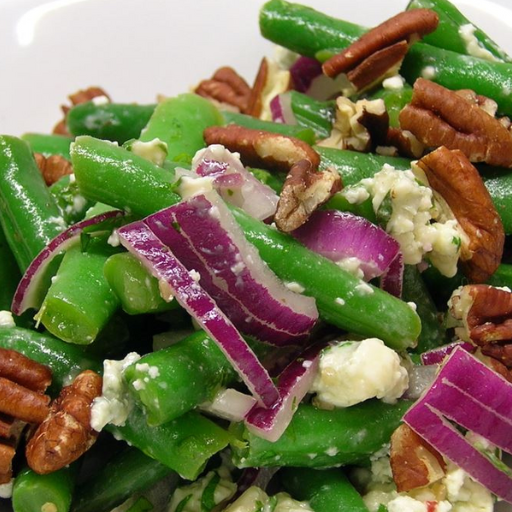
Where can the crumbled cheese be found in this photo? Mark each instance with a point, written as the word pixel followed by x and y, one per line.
pixel 352 265
pixel 155 150
pixel 339 301
pixel 295 287
pixel 190 187
pixel 115 403
pixel 6 319
pixel 59 221
pixel 113 239
pixel 101 100
pixel 428 72
pixel 352 372
pixel 195 275
pixel 255 499
pixel 473 46
pixel 363 288
pixel 394 83
pixel 6 489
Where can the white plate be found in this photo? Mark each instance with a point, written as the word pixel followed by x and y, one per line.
pixel 136 49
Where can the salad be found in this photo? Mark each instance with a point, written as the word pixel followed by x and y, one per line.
pixel 290 295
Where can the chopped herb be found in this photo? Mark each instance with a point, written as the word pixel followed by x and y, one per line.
pixel 208 497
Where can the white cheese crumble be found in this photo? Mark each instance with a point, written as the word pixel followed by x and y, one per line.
pixel 115 403
pixel 101 100
pixel 354 371
pixel 113 239
pixel 6 319
pixel 255 499
pixel 394 83
pixel 352 265
pixel 155 150
pixel 6 489
pixel 295 287
pixel 473 46
pixel 428 72
pixel 189 187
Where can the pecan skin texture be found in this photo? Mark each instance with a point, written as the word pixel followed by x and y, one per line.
pixel 258 148
pixel 382 48
pixel 22 403
pixel 226 86
pixel 24 371
pixel 66 432
pixel 414 463
pixel 254 103
pixel 453 176
pixel 440 117
pixel 7 453
pixel 53 167
pixel 304 190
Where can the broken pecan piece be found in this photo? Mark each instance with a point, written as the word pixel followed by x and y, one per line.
pixel 452 175
pixel 226 86
pixel 66 433
pixel 304 190
pixel 258 148
pixel 53 167
pixel 22 403
pixel 414 463
pixel 7 452
pixel 440 117
pixel 379 52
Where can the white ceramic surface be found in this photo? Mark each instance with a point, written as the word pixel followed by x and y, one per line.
pixel 136 49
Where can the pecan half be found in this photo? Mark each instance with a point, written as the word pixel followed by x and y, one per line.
pixel 53 167
pixel 81 96
pixel 440 117
pixel 258 148
pixel 379 52
pixel 66 433
pixel 304 190
pixel 226 86
pixel 7 452
pixel 452 175
pixel 24 371
pixel 22 403
pixel 414 463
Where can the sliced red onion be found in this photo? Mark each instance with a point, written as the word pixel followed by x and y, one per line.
pixel 28 293
pixel 392 279
pixel 294 382
pixel 281 109
pixel 467 393
pixel 254 197
pixel 340 235
pixel 176 279
pixel 303 71
pixel 438 354
pixel 232 269
pixel 229 404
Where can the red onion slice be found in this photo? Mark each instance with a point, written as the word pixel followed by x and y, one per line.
pixel 161 262
pixel 294 382
pixel 235 269
pixel 230 404
pixel 28 293
pixel 392 279
pixel 281 109
pixel 254 197
pixel 437 355
pixel 339 235
pixel 303 71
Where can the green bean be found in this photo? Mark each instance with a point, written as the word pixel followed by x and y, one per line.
pixel 47 144
pixel 326 490
pixel 189 373
pixel 180 122
pixel 502 276
pixel 184 444
pixel 9 273
pixel 40 493
pixel 65 360
pixel 117 122
pixel 141 505
pixel 499 184
pixel 455 71
pixel 372 314
pixel 304 30
pixel 433 333
pixel 29 216
pixel 314 114
pixel 290 130
pixel 72 204
pixel 127 473
pixel 447 34
pixel 395 101
pixel 318 438
pixel 80 301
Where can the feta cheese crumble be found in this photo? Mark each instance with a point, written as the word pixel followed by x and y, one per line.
pixel 6 319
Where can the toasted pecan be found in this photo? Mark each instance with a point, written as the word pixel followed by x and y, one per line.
pixel 452 175
pixel 66 433
pixel 258 148
pixel 22 403
pixel 304 190
pixel 373 55
pixel 24 371
pixel 438 117
pixel 7 452
pixel 53 167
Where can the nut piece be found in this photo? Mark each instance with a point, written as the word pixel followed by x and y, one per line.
pixel 66 433
pixel 226 86
pixel 304 190
pixel 81 96
pixel 24 371
pixel 440 117
pixel 453 176
pixel 22 403
pixel 7 453
pixel 53 167
pixel 258 148
pixel 414 463
pixel 379 52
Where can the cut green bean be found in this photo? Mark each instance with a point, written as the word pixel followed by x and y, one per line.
pixel 141 505
pixel 395 101
pixel 314 114
pixel 502 276
pixel 116 122
pixel 499 184
pixel 9 273
pixel 72 204
pixel 184 444
pixel 327 490
pixel 40 493
pixel 448 34
pixel 189 373
pixel 127 473
pixel 318 438
pixel 29 215
pixel 48 144
pixel 290 130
